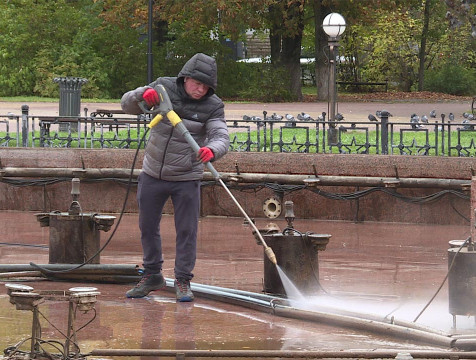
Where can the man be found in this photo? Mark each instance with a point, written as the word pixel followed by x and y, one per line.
pixel 172 170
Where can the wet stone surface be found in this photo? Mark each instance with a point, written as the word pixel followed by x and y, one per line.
pixel 381 268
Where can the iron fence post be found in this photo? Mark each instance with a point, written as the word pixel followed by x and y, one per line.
pixel 42 134
pixel 384 136
pixel 258 139
pixel 443 134
pixel 24 125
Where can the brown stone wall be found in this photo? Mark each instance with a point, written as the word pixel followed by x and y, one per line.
pixel 322 202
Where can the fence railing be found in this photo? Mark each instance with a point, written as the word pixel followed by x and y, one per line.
pixel 267 134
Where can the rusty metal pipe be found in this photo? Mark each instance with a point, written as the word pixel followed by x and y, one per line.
pixel 366 181
pixel 399 329
pixel 245 294
pixel 309 179
pixel 89 173
pixel 250 300
pixel 100 278
pixel 369 317
pixel 465 344
pixel 99 269
pixel 367 325
pixel 413 325
pixel 296 354
pixel 17 274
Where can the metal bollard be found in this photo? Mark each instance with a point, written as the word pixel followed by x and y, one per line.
pixel 24 125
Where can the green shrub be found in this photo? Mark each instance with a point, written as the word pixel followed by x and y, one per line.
pixel 233 78
pixel 451 79
pixel 265 82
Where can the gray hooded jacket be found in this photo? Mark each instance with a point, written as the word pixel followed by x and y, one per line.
pixel 168 156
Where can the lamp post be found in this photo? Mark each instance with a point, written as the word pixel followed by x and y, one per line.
pixel 150 76
pixel 334 26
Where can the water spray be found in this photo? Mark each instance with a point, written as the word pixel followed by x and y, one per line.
pixel 165 108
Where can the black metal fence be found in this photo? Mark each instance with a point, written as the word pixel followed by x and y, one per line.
pixel 261 134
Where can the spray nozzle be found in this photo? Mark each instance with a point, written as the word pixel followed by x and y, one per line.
pixel 75 208
pixel 289 213
pixel 75 188
pixel 270 254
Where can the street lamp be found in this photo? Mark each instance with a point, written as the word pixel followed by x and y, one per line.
pixel 150 76
pixel 334 26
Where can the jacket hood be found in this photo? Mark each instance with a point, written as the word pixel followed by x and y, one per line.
pixel 203 68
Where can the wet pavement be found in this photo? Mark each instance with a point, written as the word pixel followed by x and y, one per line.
pixel 379 268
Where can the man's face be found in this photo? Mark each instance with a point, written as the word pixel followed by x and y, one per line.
pixel 195 89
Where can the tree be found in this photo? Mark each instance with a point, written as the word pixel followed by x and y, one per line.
pixel 286 24
pixel 19 41
pixel 102 40
pixel 395 41
pixel 322 67
pixel 461 11
pixel 192 26
pixel 283 19
pixel 424 37
pixel 45 39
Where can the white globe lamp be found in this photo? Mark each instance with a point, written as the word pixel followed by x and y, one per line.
pixel 334 25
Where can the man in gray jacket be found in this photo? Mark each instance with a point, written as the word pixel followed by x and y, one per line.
pixel 172 170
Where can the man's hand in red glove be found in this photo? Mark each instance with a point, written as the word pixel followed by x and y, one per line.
pixel 205 154
pixel 151 97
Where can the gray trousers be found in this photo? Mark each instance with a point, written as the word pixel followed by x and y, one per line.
pixel 152 195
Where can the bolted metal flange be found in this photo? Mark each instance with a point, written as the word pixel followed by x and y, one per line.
pixel 272 207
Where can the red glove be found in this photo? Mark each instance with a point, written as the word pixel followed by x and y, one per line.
pixel 151 97
pixel 205 154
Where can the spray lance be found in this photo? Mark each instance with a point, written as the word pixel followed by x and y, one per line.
pixel 165 109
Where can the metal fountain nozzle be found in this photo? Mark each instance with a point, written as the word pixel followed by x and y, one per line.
pixel 84 297
pixel 75 188
pixel 23 297
pixel 75 208
pixel 289 213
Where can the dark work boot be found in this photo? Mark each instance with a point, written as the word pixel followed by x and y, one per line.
pixel 148 283
pixel 182 290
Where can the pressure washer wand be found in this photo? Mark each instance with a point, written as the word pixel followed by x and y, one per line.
pixel 191 141
pixel 267 250
pixel 178 124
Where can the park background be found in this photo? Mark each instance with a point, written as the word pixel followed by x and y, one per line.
pixel 118 45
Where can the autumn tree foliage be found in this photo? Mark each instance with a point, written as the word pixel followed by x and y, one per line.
pixel 401 41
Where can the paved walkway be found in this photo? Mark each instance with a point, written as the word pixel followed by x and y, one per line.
pixel 352 111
